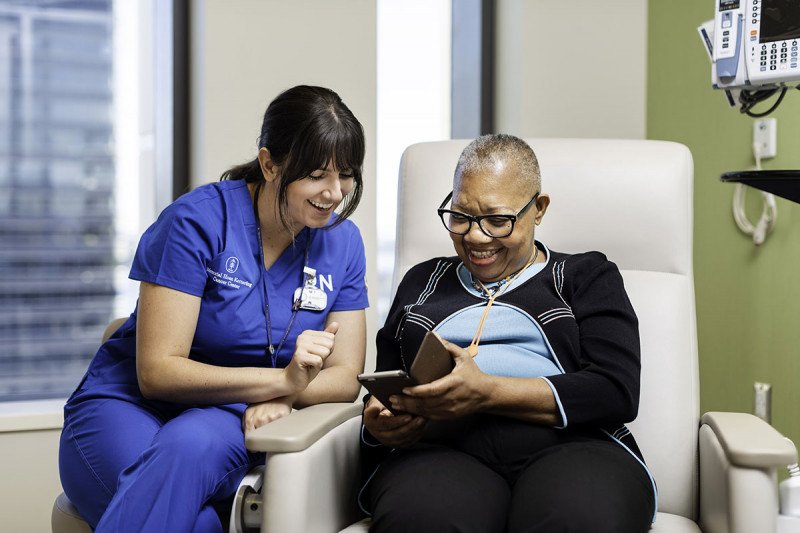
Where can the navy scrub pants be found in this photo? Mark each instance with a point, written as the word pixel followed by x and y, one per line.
pixel 494 474
pixel 127 466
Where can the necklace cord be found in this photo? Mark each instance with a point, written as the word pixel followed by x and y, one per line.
pixel 472 349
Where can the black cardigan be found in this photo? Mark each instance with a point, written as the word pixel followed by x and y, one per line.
pixel 580 305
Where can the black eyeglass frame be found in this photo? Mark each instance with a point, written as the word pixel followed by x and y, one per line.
pixel 479 218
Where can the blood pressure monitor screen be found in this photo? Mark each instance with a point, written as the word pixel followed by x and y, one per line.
pixel 780 20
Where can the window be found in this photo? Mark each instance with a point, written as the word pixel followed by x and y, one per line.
pixel 78 180
pixel 413 104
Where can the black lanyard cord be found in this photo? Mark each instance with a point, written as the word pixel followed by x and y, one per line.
pixel 270 348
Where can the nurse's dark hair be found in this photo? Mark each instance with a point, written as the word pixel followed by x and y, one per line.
pixel 305 128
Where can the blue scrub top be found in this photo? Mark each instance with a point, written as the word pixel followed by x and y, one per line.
pixel 206 244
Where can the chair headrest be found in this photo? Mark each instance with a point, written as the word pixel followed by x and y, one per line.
pixel 630 199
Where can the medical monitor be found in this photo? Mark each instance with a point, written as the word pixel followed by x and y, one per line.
pixel 772 34
pixel 754 47
pixel 780 20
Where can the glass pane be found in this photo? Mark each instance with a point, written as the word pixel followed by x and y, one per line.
pixel 60 238
pixel 413 104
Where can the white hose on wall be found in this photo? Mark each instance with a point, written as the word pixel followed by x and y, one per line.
pixel 769 211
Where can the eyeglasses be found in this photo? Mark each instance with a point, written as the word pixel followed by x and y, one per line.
pixel 495 226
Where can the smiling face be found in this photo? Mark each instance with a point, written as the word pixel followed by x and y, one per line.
pixel 496 187
pixel 312 200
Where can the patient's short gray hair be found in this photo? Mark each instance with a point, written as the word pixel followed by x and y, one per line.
pixel 490 149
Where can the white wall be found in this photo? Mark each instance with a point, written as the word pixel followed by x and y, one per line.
pixel 28 493
pixel 29 484
pixel 571 69
pixel 245 52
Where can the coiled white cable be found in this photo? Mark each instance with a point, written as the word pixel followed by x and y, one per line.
pixel 769 212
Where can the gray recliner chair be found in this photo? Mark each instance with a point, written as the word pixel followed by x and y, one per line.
pixel 633 201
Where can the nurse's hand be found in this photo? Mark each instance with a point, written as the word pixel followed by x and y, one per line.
pixel 261 414
pixel 311 350
pixel 392 430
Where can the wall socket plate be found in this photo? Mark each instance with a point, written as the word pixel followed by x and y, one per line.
pixel 765 135
pixel 762 401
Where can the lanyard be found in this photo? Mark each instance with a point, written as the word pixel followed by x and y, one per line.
pixel 270 348
pixel 472 349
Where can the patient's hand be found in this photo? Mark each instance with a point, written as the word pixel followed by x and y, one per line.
pixel 461 392
pixel 392 430
pixel 261 414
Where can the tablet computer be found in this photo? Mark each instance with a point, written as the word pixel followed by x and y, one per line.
pixel 432 362
pixel 386 383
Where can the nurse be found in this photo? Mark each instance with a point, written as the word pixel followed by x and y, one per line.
pixel 251 302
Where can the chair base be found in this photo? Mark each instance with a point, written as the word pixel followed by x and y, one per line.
pixel 65 518
pixel 665 523
pixel 672 523
pixel 358 527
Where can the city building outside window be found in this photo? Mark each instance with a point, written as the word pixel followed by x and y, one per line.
pixel 79 179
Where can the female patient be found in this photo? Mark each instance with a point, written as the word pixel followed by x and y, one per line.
pixel 526 433
pixel 251 302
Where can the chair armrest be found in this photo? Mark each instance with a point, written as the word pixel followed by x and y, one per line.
pixel 739 456
pixel 750 442
pixel 300 429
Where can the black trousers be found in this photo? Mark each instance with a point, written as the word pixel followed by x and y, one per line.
pixel 489 474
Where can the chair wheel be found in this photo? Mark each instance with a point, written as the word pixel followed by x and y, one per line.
pixel 246 510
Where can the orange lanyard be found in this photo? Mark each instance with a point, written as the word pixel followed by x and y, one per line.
pixel 472 349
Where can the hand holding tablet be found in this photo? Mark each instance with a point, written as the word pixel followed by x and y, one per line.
pixel 432 362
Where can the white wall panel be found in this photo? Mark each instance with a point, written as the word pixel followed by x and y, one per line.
pixel 245 52
pixel 571 69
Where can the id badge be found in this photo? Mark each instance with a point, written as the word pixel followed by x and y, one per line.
pixel 310 298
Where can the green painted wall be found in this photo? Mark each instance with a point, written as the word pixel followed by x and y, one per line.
pixel 748 298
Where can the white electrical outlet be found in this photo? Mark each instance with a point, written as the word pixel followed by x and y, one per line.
pixel 765 135
pixel 762 401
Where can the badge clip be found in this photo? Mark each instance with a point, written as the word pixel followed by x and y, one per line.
pixel 309 296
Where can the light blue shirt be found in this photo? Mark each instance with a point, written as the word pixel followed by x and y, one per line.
pixel 512 344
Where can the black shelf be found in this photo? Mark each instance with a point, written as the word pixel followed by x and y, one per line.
pixel 783 183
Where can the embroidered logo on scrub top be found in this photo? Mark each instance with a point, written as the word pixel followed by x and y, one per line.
pixel 325 282
pixel 232 264
pixel 225 279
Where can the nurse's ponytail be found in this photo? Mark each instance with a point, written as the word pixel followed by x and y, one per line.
pixel 249 172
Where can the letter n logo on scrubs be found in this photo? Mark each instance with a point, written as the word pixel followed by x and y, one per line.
pixel 325 281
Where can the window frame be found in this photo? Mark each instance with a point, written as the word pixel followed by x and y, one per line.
pixel 171 103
